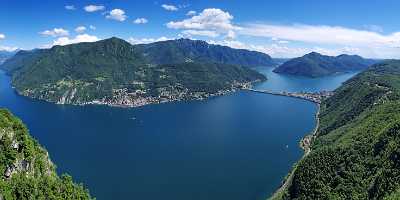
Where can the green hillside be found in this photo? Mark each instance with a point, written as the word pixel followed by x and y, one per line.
pixel 114 72
pixel 27 172
pixel 356 154
pixel 184 50
pixel 316 65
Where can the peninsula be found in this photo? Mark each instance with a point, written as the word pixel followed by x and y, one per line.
pixel 114 72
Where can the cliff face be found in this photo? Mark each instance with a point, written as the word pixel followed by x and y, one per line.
pixel 26 171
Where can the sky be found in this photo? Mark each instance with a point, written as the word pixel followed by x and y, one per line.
pixel 282 29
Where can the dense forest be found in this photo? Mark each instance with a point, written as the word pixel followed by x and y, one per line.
pixel 356 154
pixel 316 65
pixel 27 172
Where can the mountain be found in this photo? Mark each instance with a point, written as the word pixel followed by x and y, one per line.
pixel 20 59
pixel 183 50
pixel 114 72
pixel 4 55
pixel 316 65
pixel 356 154
pixel 27 172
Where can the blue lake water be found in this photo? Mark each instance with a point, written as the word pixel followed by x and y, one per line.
pixel 277 82
pixel 236 147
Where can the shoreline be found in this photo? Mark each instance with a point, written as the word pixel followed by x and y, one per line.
pixel 118 103
pixel 305 144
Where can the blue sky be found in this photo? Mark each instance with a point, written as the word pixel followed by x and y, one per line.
pixel 285 28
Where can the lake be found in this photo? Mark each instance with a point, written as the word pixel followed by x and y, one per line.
pixel 237 147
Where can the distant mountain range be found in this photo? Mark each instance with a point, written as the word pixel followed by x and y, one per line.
pixel 114 72
pixel 4 55
pixel 315 65
pixel 184 50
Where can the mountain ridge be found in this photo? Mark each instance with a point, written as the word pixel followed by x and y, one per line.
pixel 114 72
pixel 315 65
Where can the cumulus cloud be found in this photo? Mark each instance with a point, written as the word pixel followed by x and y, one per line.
pixel 80 29
pixel 2 36
pixel 231 35
pixel 169 7
pixel 133 40
pixel 188 33
pixel 70 7
pixel 79 38
pixel 191 13
pixel 56 32
pixel 293 39
pixel 140 21
pixel 117 14
pixel 209 20
pixel 92 27
pixel 93 8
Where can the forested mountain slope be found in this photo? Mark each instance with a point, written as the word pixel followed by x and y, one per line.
pixel 26 170
pixel 356 154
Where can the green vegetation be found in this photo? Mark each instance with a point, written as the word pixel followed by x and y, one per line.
pixel 27 172
pixel 113 71
pixel 356 154
pixel 315 65
pixel 184 50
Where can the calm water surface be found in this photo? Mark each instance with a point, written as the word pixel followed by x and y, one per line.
pixel 236 147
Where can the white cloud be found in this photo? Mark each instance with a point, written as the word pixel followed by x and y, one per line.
pixel 210 19
pixel 7 48
pixel 292 40
pixel 283 42
pixel 93 8
pixel 2 36
pixel 117 14
pixel 169 7
pixel 200 33
pixel 79 38
pixel 56 32
pixel 191 13
pixel 140 21
pixel 70 7
pixel 80 29
pixel 92 27
pixel 147 40
pixel 231 35
pixel 335 35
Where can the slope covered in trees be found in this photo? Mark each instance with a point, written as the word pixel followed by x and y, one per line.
pixel 315 65
pixel 356 154
pixel 26 170
pixel 112 71
pixel 183 50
